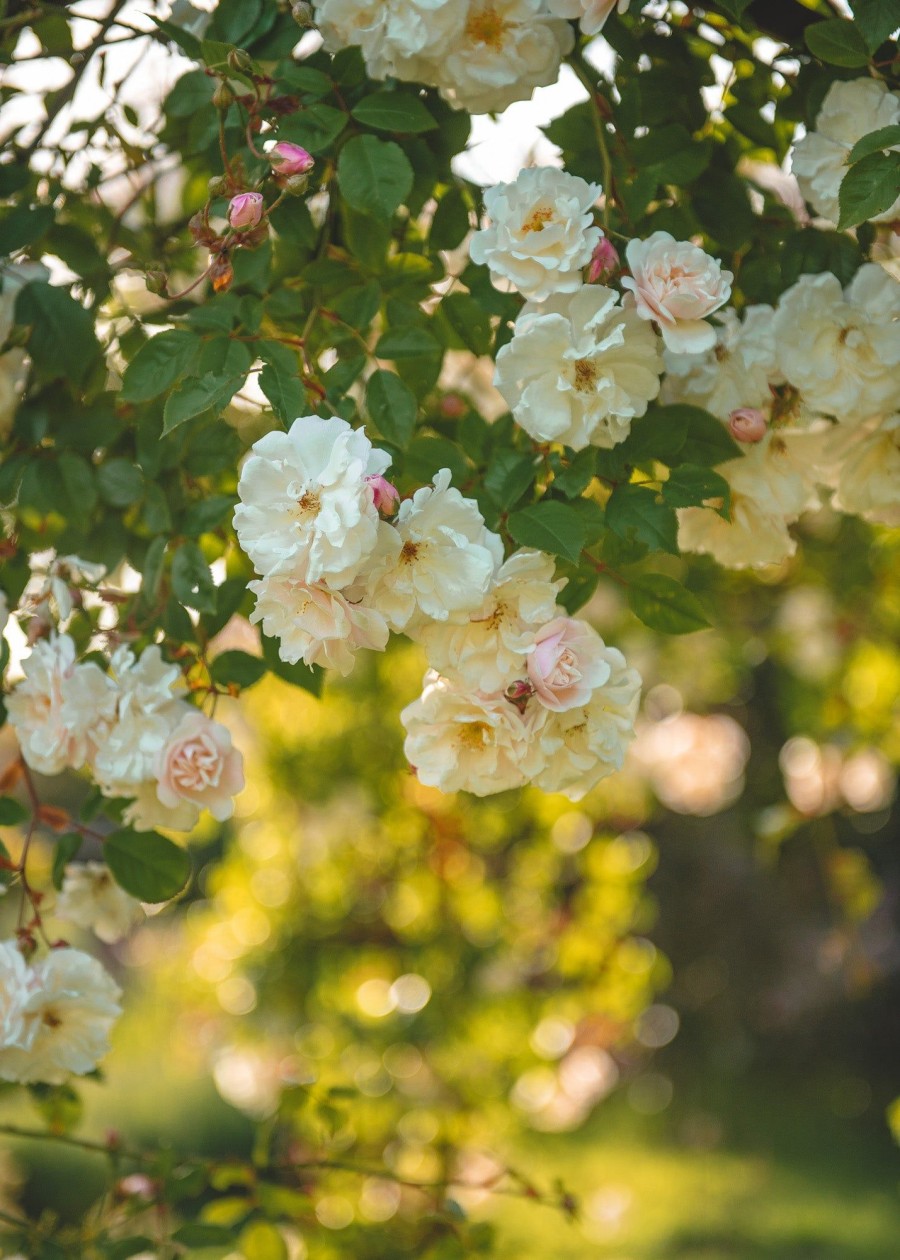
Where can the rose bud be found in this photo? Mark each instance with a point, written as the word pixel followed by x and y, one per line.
pixel 747 424
pixel 290 159
pixel 386 496
pixel 245 210
pixel 605 261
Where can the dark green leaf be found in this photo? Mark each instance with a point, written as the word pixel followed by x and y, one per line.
pixel 66 848
pixel 192 581
pixel 469 323
pixel 394 111
pixel 12 812
pixel 374 175
pixel 195 395
pixel 451 220
pixel 120 482
pixel 509 475
pixel 62 340
pixel 239 668
pixel 876 141
pixel 708 442
pixel 633 511
pixel 869 188
pixel 146 864
pixel 315 128
pixel 689 486
pixel 665 605
pixel 23 225
pixel 837 43
pixel 158 364
pixel 406 343
pixel 877 19
pixel 283 387
pixel 550 526
pixel 392 407
pixel 309 678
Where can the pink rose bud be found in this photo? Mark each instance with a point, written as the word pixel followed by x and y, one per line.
pixel 453 406
pixel 747 424
pixel 245 210
pixel 385 495
pixel 605 261
pixel 290 159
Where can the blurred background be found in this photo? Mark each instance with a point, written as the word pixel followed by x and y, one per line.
pixel 678 997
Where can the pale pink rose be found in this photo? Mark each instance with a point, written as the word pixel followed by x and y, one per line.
pixel 747 424
pixel 676 284
pixel 200 766
pixel 567 664
pixel 245 210
pixel 386 496
pixel 290 159
pixel 604 262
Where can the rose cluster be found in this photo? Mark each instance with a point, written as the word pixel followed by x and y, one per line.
pixel 129 725
pixel 518 692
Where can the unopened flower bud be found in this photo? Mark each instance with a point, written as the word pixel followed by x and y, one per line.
pixel 296 185
pixel 605 261
pixel 238 59
pixel 747 424
pixel 519 693
pixel 223 97
pixel 245 210
pixel 218 186
pixel 386 496
pixel 453 406
pixel 303 14
pixel 290 159
pixel 156 282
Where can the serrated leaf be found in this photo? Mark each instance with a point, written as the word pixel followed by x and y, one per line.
pixel 239 668
pixel 876 141
pixel 509 475
pixel 664 604
pixel 375 176
pixel 451 220
pixel 470 324
pixel 61 340
pixel 634 512
pixel 392 406
pixel 284 390
pixel 146 864
pixel 869 188
pixel 192 581
pixel 406 343
pixel 120 482
pixel 837 43
pixel 198 394
pixel 550 526
pixel 689 486
pixel 158 364
pixel 394 111
pixel 877 19
pixel 707 441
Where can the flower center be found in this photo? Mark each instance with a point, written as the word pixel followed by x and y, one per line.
pixel 585 375
pixel 50 1019
pixel 537 219
pixel 486 27
pixel 408 552
pixel 308 503
pixel 472 735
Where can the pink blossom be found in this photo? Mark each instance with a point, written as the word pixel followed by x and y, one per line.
pixel 386 496
pixel 747 424
pixel 200 766
pixel 567 663
pixel 245 210
pixel 676 284
pixel 604 262
pixel 290 159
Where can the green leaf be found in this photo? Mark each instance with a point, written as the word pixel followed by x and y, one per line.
pixel 633 512
pixel 664 604
pixel 158 364
pixel 734 8
pixel 187 42
pixel 315 128
pixel 708 442
pixel 837 43
pixel 875 141
pixel 659 435
pixel 309 678
pixel 469 323
pixel 146 864
pixel 869 188
pixel 451 220
pixel 12 812
pixel 812 251
pixel 394 111
pixel 550 526
pixel 508 476
pixel 192 581
pixel 61 340
pixel 238 668
pixel 690 486
pixel 375 176
pixel 195 395
pixel 392 406
pixel 406 343
pixel 66 848
pixel 207 514
pixel 284 389
pixel 23 225
pixel 877 19
pixel 120 482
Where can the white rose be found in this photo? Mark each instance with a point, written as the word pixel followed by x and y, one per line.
pixel 463 741
pixel 541 233
pixel 14 993
pixel 62 709
pixel 583 745
pixel 567 664
pixel 579 368
pixel 842 349
pixel 436 561
pixel 490 649
pixel 401 38
pixel 677 285
pixel 199 766
pixel 734 373
pixel 772 483
pixel 316 625
pixel 147 709
pixel 70 1011
pixel 867 473
pixel 591 14
pixel 849 111
pixel 504 51
pixel 146 811
pixel 306 507
pixel 91 899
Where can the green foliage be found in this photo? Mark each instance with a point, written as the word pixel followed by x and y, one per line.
pixel 146 864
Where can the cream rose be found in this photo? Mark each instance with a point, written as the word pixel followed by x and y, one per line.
pixel 199 765
pixel 677 285
pixel 567 663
